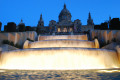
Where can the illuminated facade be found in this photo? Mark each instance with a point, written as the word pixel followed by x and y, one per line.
pixel 65 23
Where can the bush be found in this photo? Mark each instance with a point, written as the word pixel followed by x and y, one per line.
pixel 5 42
pixel 11 43
pixel 18 46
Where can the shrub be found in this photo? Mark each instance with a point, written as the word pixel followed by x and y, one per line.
pixel 18 46
pixel 5 42
pixel 11 43
pixel 113 40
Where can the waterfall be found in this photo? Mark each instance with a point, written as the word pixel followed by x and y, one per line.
pixel 59 59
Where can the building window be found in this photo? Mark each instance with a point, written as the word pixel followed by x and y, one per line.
pixel 71 30
pixel 58 29
pixel 65 30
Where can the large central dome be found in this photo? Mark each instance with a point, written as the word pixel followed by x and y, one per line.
pixel 65 15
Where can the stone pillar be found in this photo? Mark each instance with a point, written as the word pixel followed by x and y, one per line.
pixel 26 44
pixel 96 43
pixel 0 53
pixel 93 34
pixel 110 36
pixel 118 52
pixel 118 36
pixel 105 36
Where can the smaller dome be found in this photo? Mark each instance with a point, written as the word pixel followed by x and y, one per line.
pixel 21 23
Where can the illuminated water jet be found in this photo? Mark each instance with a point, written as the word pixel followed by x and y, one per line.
pixel 62 43
pixel 79 37
pixel 59 59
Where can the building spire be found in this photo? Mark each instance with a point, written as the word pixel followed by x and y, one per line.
pixel 89 16
pixel 41 18
pixel 90 20
pixel 21 20
pixel 64 6
pixel 109 18
pixel 41 22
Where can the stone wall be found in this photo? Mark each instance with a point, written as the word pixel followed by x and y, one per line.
pixel 18 37
pixel 87 27
pixel 106 36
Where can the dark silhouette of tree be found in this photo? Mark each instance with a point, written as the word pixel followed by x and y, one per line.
pixel 97 27
pixel 115 24
pixel 0 26
pixel 11 27
pixel 5 28
pixel 104 26
pixel 27 28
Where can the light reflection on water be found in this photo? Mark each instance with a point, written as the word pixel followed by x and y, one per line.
pixel 60 75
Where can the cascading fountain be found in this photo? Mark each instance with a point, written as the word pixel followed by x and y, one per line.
pixel 78 37
pixel 65 54
pixel 59 59
pixel 62 43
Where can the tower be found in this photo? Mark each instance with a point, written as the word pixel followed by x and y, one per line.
pixel 90 20
pixel 41 22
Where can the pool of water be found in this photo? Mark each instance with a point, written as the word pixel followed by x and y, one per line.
pixel 110 74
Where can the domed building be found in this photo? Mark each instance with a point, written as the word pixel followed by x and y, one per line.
pixel 65 24
pixel 21 26
pixel 65 15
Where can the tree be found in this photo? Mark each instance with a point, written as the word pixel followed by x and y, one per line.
pixel 0 26
pixel 11 27
pixel 27 28
pixel 104 26
pixel 115 24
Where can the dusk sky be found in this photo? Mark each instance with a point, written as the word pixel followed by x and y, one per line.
pixel 30 10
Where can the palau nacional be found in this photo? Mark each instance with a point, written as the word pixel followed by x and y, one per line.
pixel 65 24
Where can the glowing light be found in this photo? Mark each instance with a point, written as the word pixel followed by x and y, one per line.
pixel 59 59
pixel 2 71
pixel 60 43
pixel 109 71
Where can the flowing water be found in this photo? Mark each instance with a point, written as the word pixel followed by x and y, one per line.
pixel 60 43
pixel 111 74
pixel 80 37
pixel 59 59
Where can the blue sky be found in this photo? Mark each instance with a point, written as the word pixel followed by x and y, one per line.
pixel 30 10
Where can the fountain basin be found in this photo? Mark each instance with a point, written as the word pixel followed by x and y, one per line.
pixel 59 59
